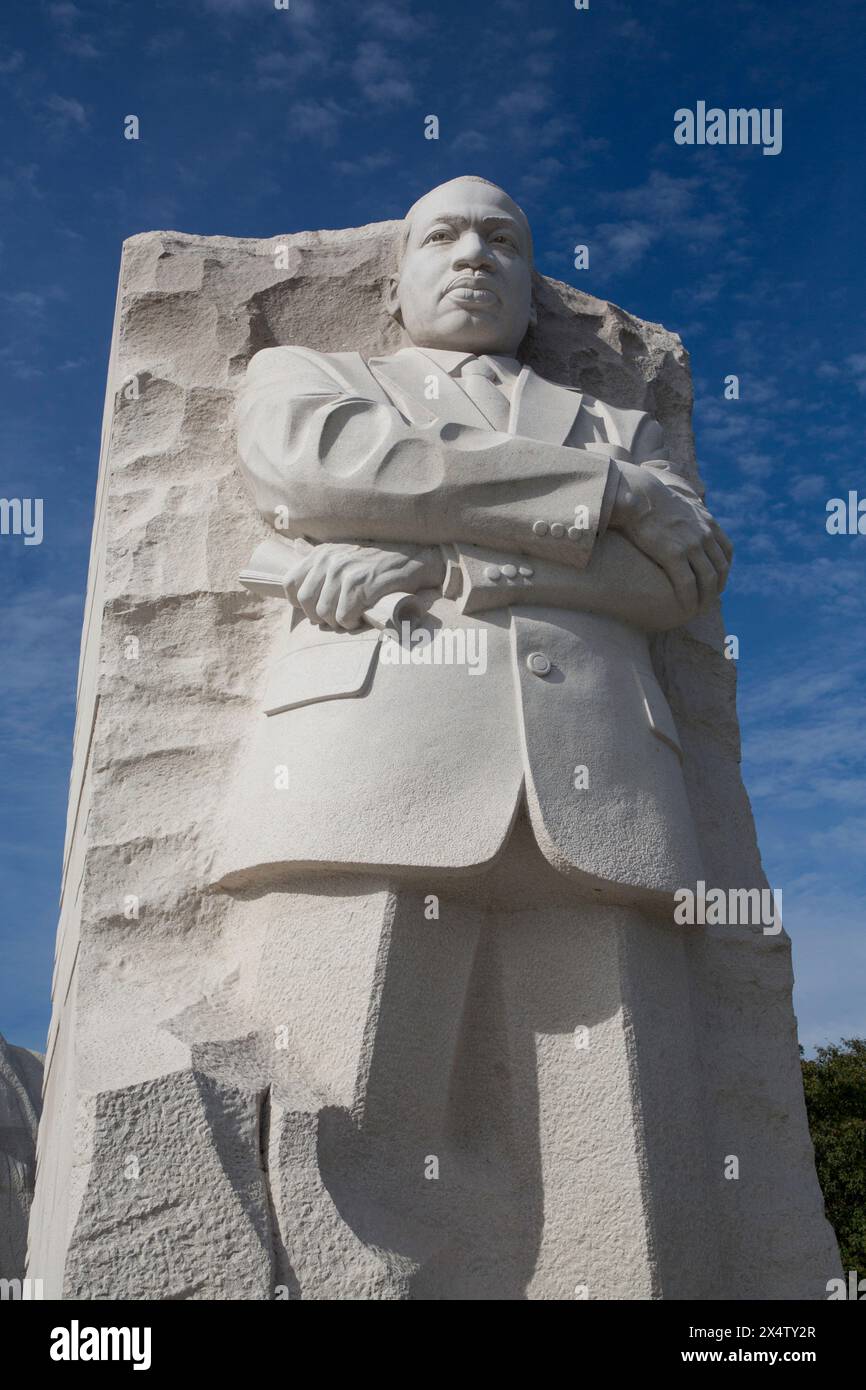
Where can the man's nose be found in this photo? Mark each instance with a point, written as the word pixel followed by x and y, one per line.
pixel 471 252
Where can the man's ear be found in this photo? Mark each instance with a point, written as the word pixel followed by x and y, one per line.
pixel 392 298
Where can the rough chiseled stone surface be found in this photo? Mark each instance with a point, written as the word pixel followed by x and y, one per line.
pixel 177 1153
pixel 20 1106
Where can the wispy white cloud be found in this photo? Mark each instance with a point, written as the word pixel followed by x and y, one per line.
pixel 856 364
pixel 66 113
pixel 41 630
pixel 11 62
pixel 380 82
pixel 693 212
pixel 364 164
pixel 395 20
pixel 314 120
pixel 17 179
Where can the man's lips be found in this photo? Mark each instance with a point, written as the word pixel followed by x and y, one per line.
pixel 472 290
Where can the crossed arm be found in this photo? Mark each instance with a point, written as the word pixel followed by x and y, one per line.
pixel 380 495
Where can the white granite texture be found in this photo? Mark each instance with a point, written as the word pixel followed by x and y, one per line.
pixel 248 1078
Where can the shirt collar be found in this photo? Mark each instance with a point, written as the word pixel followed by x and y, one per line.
pixel 450 361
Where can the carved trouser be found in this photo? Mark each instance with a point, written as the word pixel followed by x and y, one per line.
pixel 473 1088
pixel 458 1107
pixel 485 1087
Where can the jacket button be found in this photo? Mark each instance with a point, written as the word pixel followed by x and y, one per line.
pixel 510 571
pixel 557 529
pixel 540 528
pixel 526 571
pixel 575 533
pixel 492 572
pixel 538 664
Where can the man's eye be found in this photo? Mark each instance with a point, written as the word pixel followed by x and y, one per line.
pixel 438 236
pixel 505 239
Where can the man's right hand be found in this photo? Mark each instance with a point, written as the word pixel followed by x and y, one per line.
pixel 679 535
pixel 335 582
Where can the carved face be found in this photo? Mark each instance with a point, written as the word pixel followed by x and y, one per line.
pixel 465 282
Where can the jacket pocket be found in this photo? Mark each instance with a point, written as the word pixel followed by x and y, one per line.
pixel 336 668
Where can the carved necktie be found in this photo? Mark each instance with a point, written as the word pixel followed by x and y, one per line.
pixel 478 377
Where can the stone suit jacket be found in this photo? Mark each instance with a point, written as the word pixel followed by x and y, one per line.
pixel 365 763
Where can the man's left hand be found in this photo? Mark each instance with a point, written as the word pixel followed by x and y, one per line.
pixel 680 535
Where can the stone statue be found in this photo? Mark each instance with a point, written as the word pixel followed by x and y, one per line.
pixel 404 1011
pixel 547 520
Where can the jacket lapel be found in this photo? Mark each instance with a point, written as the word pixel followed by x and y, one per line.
pixel 539 410
pixel 543 410
pixel 405 375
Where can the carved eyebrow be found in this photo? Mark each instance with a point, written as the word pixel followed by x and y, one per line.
pixel 458 219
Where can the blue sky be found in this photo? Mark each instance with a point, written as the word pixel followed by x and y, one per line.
pixel 256 122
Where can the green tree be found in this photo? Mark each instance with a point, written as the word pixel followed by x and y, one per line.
pixel 835 1086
